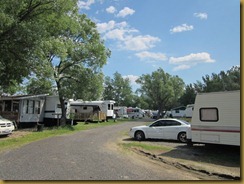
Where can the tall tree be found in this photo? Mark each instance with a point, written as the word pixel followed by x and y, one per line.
pixel 24 24
pixel 160 87
pixel 188 96
pixel 118 89
pixel 75 55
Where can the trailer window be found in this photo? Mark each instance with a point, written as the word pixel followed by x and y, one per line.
pixel 209 114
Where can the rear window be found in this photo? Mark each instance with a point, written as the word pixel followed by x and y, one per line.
pixel 209 114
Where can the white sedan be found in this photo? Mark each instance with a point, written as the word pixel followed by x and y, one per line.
pixel 173 129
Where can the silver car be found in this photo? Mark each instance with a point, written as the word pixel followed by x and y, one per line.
pixel 172 129
pixel 6 126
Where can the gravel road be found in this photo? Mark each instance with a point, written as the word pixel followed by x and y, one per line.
pixel 86 155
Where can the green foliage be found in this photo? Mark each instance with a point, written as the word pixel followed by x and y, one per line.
pixel 224 81
pixel 24 24
pixel 189 95
pixel 118 89
pixel 39 86
pixel 162 89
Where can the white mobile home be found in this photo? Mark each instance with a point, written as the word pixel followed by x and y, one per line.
pixel 23 109
pixel 178 112
pixel 216 118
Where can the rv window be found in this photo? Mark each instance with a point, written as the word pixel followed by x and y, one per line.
pixel 85 108
pixel 37 107
pixel 209 114
pixel 108 106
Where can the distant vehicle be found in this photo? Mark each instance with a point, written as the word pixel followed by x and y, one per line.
pixel 6 126
pixel 178 112
pixel 216 119
pixel 173 129
pixel 121 111
pixel 135 112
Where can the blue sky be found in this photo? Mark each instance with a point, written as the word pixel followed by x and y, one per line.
pixel 188 38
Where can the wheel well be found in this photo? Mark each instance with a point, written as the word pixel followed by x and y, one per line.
pixel 139 131
pixel 180 133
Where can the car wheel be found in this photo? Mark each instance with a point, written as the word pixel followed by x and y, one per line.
pixel 139 136
pixel 182 137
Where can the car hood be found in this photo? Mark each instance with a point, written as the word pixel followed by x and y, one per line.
pixel 3 120
pixel 140 127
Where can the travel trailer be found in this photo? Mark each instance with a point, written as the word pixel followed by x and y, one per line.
pixel 216 119
pixel 23 109
pixel 90 110
pixel 135 112
pixel 121 112
pixel 52 110
pixel 189 110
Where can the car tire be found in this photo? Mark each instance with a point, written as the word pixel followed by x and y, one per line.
pixel 139 136
pixel 182 137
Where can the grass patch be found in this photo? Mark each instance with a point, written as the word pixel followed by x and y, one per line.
pixel 32 136
pixel 145 146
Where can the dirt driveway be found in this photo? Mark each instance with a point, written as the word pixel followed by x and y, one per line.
pixel 209 160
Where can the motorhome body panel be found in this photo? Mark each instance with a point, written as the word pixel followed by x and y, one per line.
pixel 216 118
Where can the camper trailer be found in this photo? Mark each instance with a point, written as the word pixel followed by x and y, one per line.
pixel 23 109
pixel 52 110
pixel 216 119
pixel 121 112
pixel 135 112
pixel 178 112
pixel 90 110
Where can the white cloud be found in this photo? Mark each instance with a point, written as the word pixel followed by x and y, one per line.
pixel 139 43
pixel 85 4
pixel 181 28
pixel 126 11
pixel 145 55
pixel 201 15
pixel 190 60
pixel 103 27
pixel 132 78
pixel 111 9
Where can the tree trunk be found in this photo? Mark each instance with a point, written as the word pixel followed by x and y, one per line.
pixel 63 115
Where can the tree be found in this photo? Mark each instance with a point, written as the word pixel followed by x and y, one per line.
pixel 160 88
pixel 74 56
pixel 118 89
pixel 24 24
pixel 37 86
pixel 224 81
pixel 188 96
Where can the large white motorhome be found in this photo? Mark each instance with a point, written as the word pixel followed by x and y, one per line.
pixel 86 108
pixel 216 119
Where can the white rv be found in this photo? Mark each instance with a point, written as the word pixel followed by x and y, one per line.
pixel 52 109
pixel 135 112
pixel 216 118
pixel 121 112
pixel 86 108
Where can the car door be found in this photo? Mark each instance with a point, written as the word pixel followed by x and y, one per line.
pixel 171 129
pixel 155 130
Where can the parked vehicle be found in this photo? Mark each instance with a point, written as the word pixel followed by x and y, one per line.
pixel 6 126
pixel 135 112
pixel 121 111
pixel 178 112
pixel 90 110
pixel 173 129
pixel 216 119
